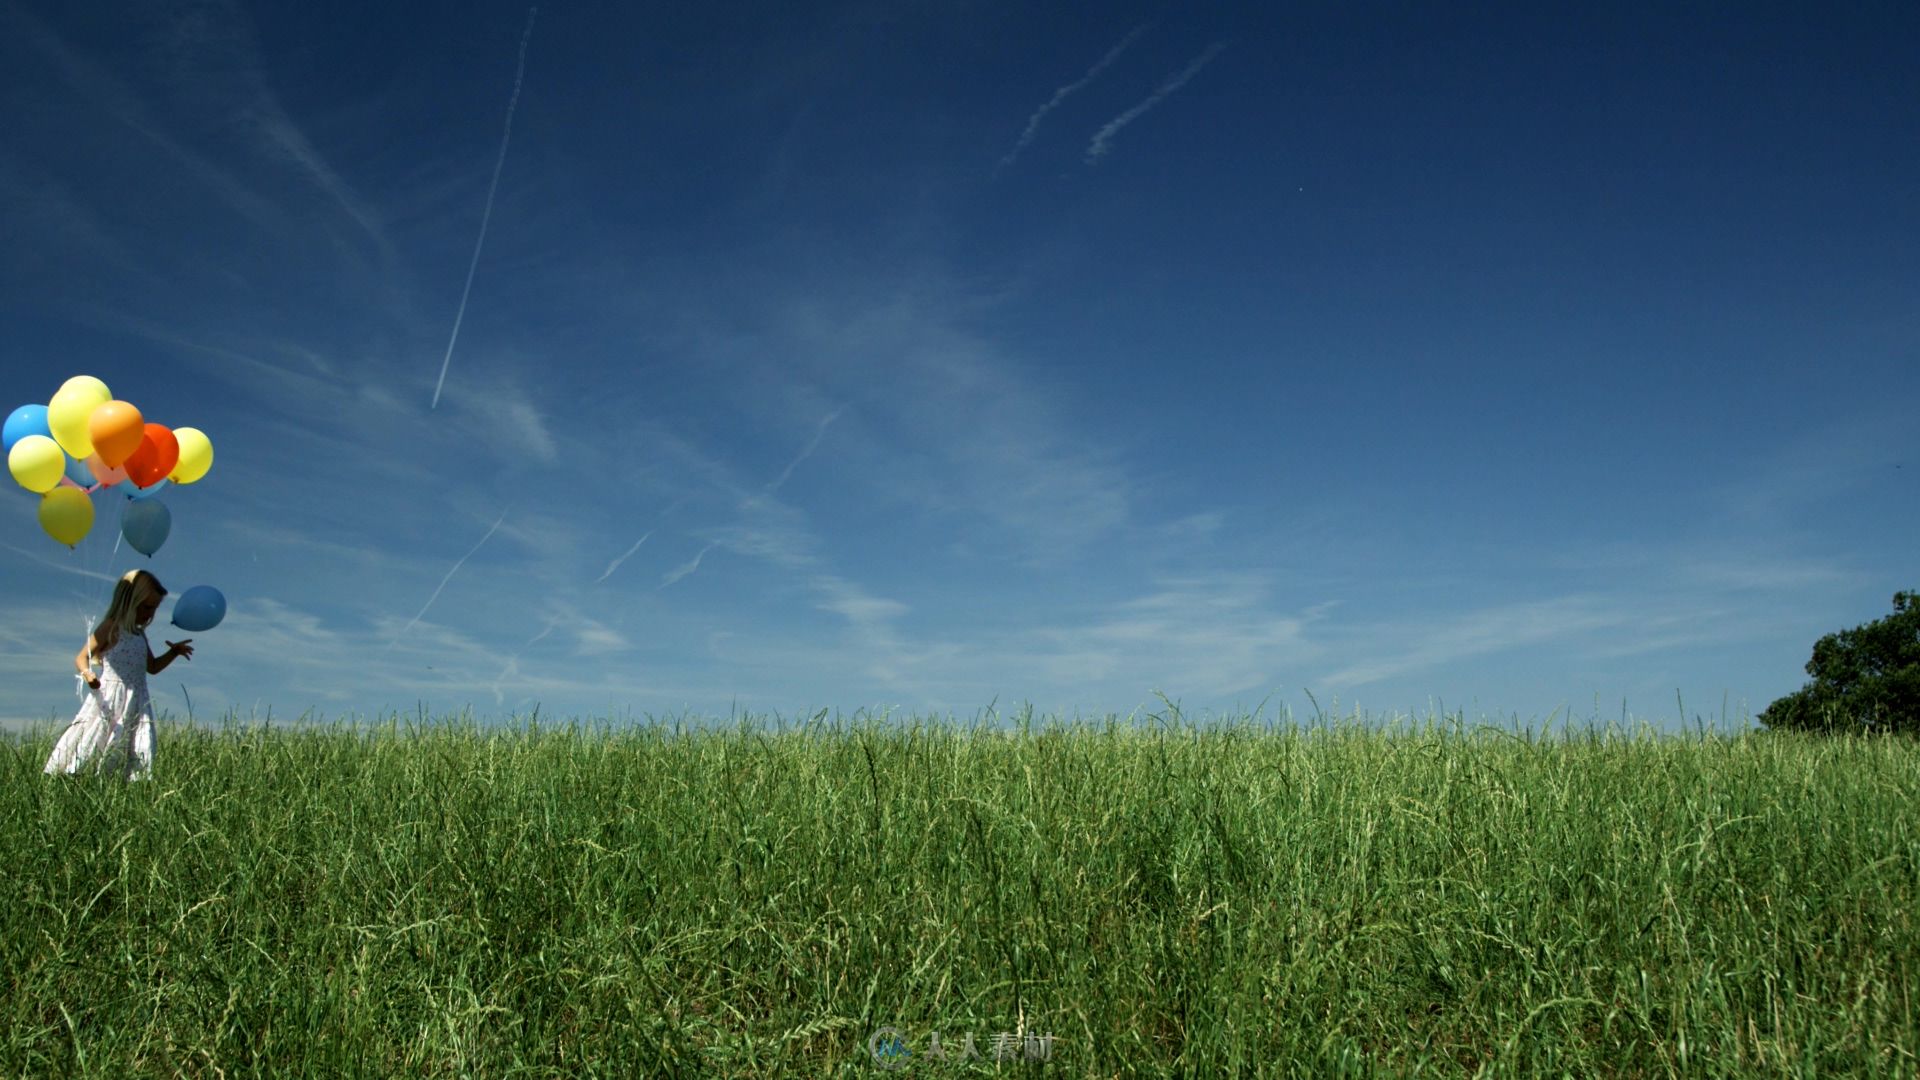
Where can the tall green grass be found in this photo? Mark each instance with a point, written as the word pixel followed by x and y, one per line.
pixel 1163 899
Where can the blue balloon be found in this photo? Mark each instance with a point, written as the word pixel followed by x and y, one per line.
pixel 199 608
pixel 78 472
pixel 25 420
pixel 145 493
pixel 146 524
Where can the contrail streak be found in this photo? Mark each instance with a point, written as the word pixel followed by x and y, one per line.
pixel 805 453
pixel 449 577
pixel 1103 139
pixel 1033 122
pixel 615 564
pixel 63 567
pixel 510 669
pixel 519 73
pixel 685 568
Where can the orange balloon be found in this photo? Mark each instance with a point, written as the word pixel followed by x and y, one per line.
pixel 116 429
pixel 159 452
pixel 102 475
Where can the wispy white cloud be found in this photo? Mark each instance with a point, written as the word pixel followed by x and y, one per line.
pixel 1705 626
pixel 784 543
pixel 129 108
pixel 1711 567
pixel 880 651
pixel 37 646
pixel 504 418
pixel 47 224
pixel 764 527
pixel 1210 635
pixel 1797 474
pixel 935 417
pixel 950 424
pixel 593 638
pixel 1060 95
pixel 1203 635
pixel 1103 139
pixel 310 393
pixel 243 363
pixel 312 549
pixel 854 603
pixel 590 636
pixel 215 60
pixel 1428 644
pixel 282 135
pixel 1763 572
pixel 204 83
pixel 1195 527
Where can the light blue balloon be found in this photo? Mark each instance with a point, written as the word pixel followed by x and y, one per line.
pixel 145 493
pixel 24 421
pixel 78 472
pixel 199 608
pixel 146 524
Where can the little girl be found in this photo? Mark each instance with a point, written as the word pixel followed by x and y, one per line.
pixel 117 716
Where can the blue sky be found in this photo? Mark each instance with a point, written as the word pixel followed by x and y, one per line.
pixel 921 356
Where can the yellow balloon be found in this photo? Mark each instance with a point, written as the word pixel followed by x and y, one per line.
pixel 71 409
pixel 66 514
pixel 93 386
pixel 37 463
pixel 196 455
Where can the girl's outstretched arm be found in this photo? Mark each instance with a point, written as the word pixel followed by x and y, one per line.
pixel 83 660
pixel 157 664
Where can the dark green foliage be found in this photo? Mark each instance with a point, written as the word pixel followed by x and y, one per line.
pixel 1864 680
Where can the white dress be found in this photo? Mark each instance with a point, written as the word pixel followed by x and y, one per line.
pixel 113 732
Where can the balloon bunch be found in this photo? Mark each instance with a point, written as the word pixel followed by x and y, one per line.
pixel 83 441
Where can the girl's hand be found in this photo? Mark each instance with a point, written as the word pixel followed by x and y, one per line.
pixel 183 648
pixel 93 680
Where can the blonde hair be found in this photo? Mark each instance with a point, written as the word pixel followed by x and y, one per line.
pixel 134 588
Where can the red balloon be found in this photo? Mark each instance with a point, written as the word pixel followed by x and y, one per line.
pixel 159 452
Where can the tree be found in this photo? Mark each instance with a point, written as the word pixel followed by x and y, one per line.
pixel 1866 679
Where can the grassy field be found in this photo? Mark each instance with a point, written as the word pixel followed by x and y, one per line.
pixel 1159 899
